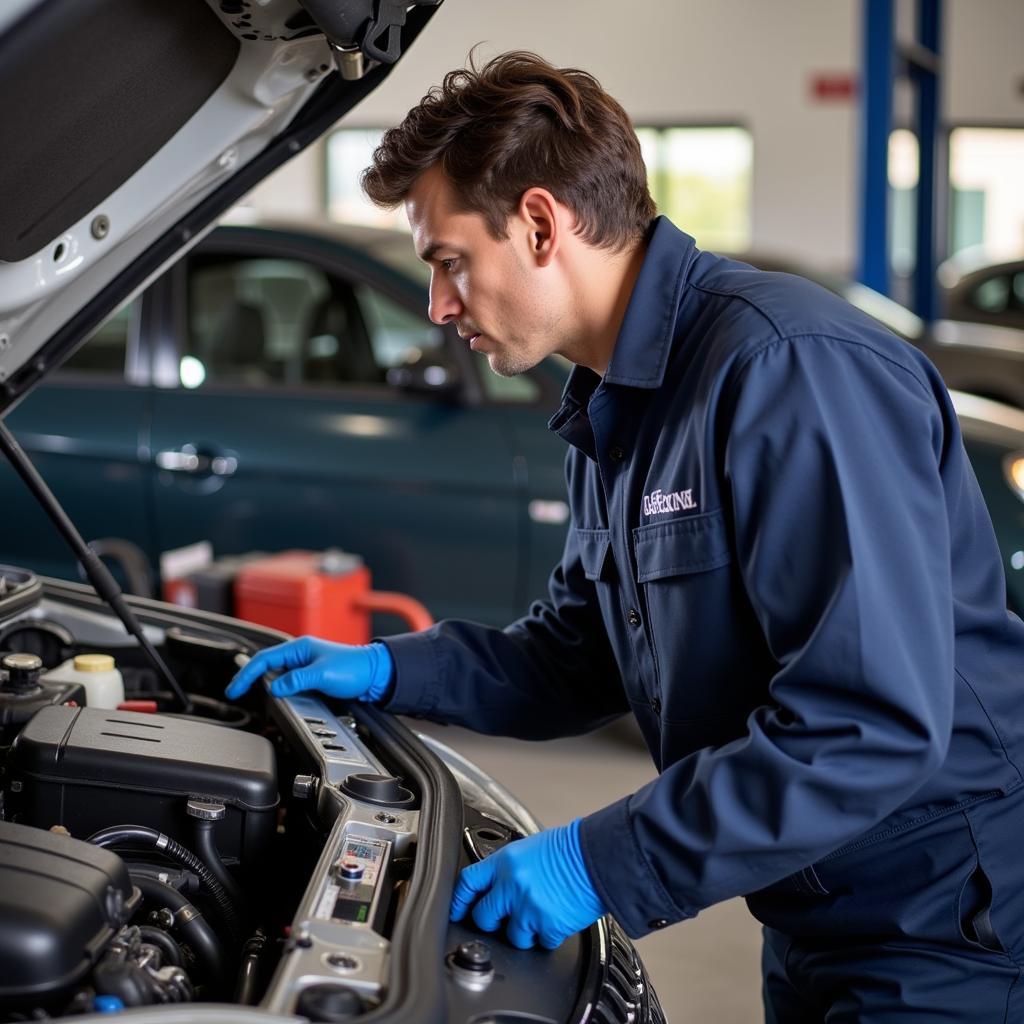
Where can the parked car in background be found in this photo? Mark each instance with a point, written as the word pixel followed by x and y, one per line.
pixel 282 387
pixel 988 293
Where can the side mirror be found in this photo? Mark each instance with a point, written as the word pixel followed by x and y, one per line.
pixel 426 374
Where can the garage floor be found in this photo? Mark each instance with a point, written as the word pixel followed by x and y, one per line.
pixel 703 969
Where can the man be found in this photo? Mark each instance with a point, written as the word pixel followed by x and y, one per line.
pixel 779 560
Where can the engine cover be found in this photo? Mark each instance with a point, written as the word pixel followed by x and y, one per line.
pixel 90 768
pixel 61 901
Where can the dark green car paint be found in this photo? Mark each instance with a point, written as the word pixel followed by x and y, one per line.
pixel 433 492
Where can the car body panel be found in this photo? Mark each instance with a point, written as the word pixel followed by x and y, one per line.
pixel 986 293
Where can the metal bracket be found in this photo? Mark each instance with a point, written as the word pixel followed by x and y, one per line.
pixel 390 18
pixel 356 48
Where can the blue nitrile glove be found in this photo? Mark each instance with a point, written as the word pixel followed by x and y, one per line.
pixel 339 670
pixel 539 883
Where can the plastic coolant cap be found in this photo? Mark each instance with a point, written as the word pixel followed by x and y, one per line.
pixel 93 663
pixel 107 1004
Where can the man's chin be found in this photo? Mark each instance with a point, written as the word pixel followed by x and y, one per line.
pixel 504 366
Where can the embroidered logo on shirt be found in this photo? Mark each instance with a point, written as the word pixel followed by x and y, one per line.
pixel 657 503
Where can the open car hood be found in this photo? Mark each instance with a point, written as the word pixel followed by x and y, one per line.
pixel 129 126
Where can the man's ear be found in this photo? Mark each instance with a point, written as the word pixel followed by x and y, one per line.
pixel 543 218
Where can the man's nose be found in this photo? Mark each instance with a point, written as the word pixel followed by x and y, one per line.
pixel 444 306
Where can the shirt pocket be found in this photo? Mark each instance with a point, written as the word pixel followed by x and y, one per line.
pixel 594 546
pixel 678 547
pixel 689 594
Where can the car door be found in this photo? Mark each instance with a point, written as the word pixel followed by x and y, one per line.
pixel 279 427
pixel 85 431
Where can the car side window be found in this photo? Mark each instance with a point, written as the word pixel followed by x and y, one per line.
pixel 396 334
pixel 992 295
pixel 1018 289
pixel 103 353
pixel 264 322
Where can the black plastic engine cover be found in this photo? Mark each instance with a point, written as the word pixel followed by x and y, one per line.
pixel 61 901
pixel 90 768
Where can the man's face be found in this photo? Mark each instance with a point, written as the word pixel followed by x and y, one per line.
pixel 501 301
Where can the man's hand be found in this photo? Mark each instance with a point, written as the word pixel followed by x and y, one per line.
pixel 539 883
pixel 339 670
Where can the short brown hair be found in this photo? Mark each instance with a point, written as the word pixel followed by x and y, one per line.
pixel 516 123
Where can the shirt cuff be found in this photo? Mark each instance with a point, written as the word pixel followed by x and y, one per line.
pixel 417 681
pixel 621 874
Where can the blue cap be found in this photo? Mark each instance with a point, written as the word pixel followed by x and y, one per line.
pixel 107 1004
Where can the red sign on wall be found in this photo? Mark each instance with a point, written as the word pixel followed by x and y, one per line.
pixel 833 86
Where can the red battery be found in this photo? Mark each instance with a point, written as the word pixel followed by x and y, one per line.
pixel 299 592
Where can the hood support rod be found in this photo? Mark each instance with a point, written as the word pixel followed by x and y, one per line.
pixel 99 575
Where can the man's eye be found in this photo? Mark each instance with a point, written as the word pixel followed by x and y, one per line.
pixel 448 264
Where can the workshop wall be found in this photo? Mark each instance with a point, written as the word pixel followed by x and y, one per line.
pixel 733 61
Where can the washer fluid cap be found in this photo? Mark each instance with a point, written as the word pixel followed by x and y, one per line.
pixel 93 663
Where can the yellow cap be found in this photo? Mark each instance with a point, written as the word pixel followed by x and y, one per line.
pixel 93 662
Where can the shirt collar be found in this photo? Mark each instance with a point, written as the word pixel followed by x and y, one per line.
pixel 645 339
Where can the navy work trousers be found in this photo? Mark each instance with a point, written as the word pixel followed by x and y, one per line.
pixel 924 926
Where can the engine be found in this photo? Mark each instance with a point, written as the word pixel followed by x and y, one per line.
pixel 179 815
pixel 278 857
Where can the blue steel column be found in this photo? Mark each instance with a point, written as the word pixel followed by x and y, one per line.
pixel 876 123
pixel 932 187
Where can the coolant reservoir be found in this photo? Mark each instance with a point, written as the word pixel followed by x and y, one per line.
pixel 97 673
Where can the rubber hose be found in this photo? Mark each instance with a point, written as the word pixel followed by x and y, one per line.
pixel 118 834
pixel 154 936
pixel 207 850
pixel 194 928
pixel 231 716
pixel 248 973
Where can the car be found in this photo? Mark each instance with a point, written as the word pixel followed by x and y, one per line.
pixel 405 448
pixel 161 849
pixel 282 387
pixel 975 289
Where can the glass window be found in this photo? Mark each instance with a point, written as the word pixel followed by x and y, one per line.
pixel 986 168
pixel 104 352
pixel 701 178
pixel 698 176
pixel 266 322
pixel 904 167
pixel 396 335
pixel 993 295
pixel 349 153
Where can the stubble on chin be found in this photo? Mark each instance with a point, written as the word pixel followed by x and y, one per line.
pixel 509 364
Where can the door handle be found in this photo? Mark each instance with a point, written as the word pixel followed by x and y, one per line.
pixel 188 459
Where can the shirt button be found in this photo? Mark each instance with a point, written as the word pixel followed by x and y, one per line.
pixel 616 454
pixel 633 617
pixel 658 922
pixel 656 705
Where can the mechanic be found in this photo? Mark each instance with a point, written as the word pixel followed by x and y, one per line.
pixel 779 560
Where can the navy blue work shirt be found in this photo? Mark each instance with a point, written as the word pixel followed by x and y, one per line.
pixel 781 562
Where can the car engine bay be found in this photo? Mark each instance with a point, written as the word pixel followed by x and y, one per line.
pixel 290 856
